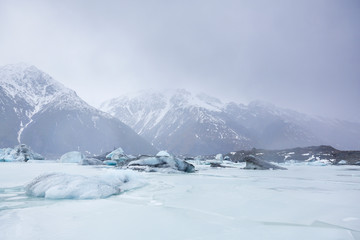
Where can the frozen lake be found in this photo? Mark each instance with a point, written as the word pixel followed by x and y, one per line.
pixel 303 202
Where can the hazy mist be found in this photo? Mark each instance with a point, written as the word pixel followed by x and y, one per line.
pixel 303 55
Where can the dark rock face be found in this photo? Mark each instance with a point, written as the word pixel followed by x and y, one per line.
pixel 312 153
pixel 351 157
pixel 257 164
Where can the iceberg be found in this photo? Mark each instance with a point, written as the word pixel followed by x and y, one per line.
pixel 90 161
pixel 163 154
pixel 66 186
pixel 342 162
pixel 72 157
pixel 117 155
pixel 78 157
pixel 257 164
pixel 219 157
pixel 110 162
pixel 20 153
pixel 161 160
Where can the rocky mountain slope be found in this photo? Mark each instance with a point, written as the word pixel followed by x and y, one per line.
pixel 184 123
pixel 39 111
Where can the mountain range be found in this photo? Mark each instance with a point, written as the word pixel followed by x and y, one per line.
pixel 42 113
pixel 187 123
pixel 38 111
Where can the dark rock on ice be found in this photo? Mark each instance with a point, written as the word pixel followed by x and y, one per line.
pixel 257 164
pixel 319 154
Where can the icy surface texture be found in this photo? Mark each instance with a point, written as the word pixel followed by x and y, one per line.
pixel 304 202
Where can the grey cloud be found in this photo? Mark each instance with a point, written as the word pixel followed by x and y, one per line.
pixel 297 54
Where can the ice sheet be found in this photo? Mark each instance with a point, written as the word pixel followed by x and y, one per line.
pixel 305 202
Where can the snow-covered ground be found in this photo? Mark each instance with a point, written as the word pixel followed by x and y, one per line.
pixel 303 202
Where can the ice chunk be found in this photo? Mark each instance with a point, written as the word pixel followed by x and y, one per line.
pixel 163 160
pixel 90 161
pixel 257 164
pixel 148 161
pixel 110 162
pixel 72 157
pixel 117 153
pixel 20 153
pixel 6 155
pixel 219 157
pixel 342 162
pixel 66 186
pixel 163 154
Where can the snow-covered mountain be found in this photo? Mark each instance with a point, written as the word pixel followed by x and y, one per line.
pixel 185 123
pixel 39 111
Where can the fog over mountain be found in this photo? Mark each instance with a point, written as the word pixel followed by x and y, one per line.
pixel 187 123
pixel 302 55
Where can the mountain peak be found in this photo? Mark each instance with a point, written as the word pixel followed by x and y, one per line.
pixel 183 122
pixel 36 109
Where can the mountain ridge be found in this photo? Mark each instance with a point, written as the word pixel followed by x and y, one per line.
pixel 160 115
pixel 52 119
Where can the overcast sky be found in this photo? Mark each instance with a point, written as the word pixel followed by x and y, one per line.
pixel 303 55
